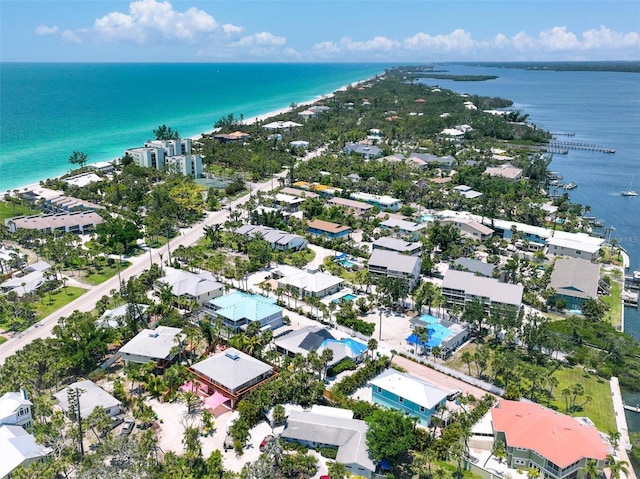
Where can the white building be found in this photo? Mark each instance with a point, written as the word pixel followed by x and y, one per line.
pixel 176 154
pixel 91 397
pixel 383 202
pixel 160 345
pixel 15 409
pixel 390 264
pixel 199 287
pixel 305 283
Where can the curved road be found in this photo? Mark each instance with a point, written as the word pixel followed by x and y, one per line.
pixel 87 301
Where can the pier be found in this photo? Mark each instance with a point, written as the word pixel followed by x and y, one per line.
pixel 578 145
pixel 631 408
pixel 564 133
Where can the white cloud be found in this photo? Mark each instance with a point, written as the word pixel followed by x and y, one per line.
pixel 69 36
pixel 605 38
pixel 458 40
pixel 262 39
pixel 558 38
pixel 46 30
pixel 152 20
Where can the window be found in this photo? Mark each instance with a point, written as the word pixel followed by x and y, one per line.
pixel 379 389
pixel 421 408
pixel 400 399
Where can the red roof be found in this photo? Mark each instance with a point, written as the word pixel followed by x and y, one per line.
pixel 561 439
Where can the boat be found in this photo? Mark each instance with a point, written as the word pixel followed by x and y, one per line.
pixel 570 186
pixel 629 192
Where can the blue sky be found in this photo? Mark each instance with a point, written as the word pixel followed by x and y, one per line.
pixel 318 31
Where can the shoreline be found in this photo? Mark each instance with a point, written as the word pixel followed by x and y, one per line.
pixel 33 186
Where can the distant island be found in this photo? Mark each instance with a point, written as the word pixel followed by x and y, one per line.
pixel 617 66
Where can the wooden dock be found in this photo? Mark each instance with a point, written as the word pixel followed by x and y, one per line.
pixel 578 145
pixel 631 408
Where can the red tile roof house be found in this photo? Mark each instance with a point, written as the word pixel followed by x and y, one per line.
pixel 557 445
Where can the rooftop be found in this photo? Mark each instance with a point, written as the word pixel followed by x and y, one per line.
pixel 92 396
pixel 328 226
pixel 17 446
pixel 194 284
pixel 396 244
pixel 410 388
pixel 153 343
pixel 483 287
pixel 393 261
pixel 231 368
pixel 575 277
pixel 238 305
pixel 559 438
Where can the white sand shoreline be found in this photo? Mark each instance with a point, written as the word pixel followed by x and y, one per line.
pixel 257 119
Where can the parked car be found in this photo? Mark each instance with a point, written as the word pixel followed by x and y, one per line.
pixel 116 421
pixel 129 424
pixel 265 441
pixel 454 394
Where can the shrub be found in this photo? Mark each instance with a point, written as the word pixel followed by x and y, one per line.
pixel 328 452
pixel 346 364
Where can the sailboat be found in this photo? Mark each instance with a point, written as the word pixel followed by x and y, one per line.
pixel 629 192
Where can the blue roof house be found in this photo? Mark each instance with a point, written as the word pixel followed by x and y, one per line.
pixel 238 309
pixel 414 396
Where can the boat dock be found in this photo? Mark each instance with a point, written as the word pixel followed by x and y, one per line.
pixel 631 408
pixel 578 145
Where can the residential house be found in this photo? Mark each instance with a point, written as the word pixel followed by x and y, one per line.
pixel 76 222
pixel 404 229
pixel 461 287
pixel 326 228
pixel 303 283
pixel 506 170
pixel 18 448
pixel 232 373
pixel 288 203
pixel 389 264
pixel 115 318
pixel 91 397
pixel 15 409
pixel 26 284
pixel 575 281
pixel 387 243
pixel 234 137
pixel 198 287
pixel 411 395
pixel 237 310
pixel 356 208
pixel 559 446
pixel 475 266
pixel 300 193
pixel 336 429
pixel 467 192
pixel 424 160
pixel 574 247
pixel 469 228
pixel 364 150
pixel 279 240
pixel 161 345
pixel 382 202
pixel 281 125
pixel 67 204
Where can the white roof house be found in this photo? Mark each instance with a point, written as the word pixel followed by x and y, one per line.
pixel 383 202
pixel 18 448
pixel 15 409
pixel 306 283
pixel 574 247
pixel 112 318
pixel 404 228
pixel 470 228
pixel 24 285
pixel 281 125
pixel 200 287
pixel 320 428
pixel 394 265
pixel 153 345
pixel 91 397
pixel 398 245
pixel 460 287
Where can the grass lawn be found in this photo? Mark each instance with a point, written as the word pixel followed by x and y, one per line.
pixel 9 210
pixel 614 302
pixel 455 361
pixel 58 300
pixel 599 409
pixel 2 339
pixel 105 273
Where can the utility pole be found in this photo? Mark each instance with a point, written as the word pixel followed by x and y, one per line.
pixel 73 396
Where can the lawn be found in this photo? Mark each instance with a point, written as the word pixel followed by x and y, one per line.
pixel 59 298
pixel 2 339
pixel 614 302
pixel 9 210
pixel 106 272
pixel 599 409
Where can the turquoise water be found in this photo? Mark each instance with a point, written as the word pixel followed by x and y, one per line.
pixel 347 263
pixel 50 110
pixel 346 297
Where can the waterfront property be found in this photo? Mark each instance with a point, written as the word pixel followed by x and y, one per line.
pixel 237 310
pixel 91 397
pixel 161 345
pixel 336 429
pixel 279 240
pixel 461 287
pixel 414 396
pixel 76 222
pixel 326 228
pixel 198 287
pixel 390 264
pixel 574 247
pixel 388 243
pixel 160 154
pixel 382 202
pixel 506 170
pixel 575 281
pixel 559 446
pixel 232 374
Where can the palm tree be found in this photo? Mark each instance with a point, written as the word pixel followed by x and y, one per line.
pixel 78 158
pixel 616 467
pixel 591 469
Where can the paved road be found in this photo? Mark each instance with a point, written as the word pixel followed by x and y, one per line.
pixel 87 301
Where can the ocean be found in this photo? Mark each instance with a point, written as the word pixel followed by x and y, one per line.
pixel 49 110
pixel 601 108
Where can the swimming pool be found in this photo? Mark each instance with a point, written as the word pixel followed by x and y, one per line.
pixel 346 297
pixel 347 264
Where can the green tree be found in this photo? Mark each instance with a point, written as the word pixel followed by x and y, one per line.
pixel 78 158
pixel 616 467
pixel 164 132
pixel 338 470
pixel 390 434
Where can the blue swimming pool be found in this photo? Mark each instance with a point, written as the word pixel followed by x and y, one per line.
pixel 347 264
pixel 346 297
